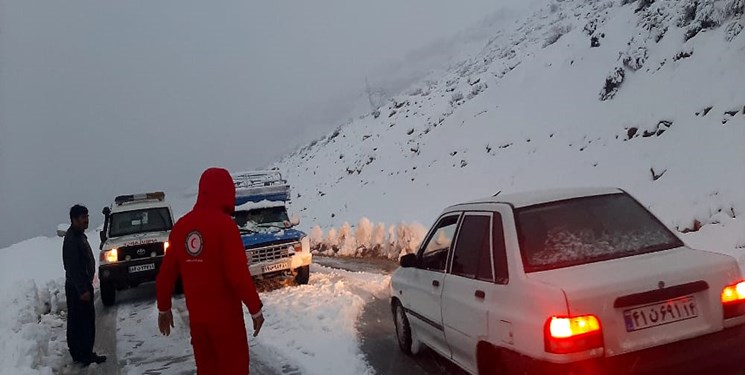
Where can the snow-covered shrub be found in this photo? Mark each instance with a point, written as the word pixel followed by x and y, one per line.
pixel 556 33
pixel 316 236
pixel 408 237
pixel 368 240
pixel 643 5
pixel 363 233
pixel 612 84
pixel 709 14
pixel 332 240
pixel 732 31
pixel 456 97
pixel 378 236
pixel 347 243
pixel 476 89
pixel 635 57
pixel 688 13
pixel 590 27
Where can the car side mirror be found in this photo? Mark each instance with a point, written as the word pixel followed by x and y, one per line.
pixel 409 261
pixel 295 220
pixel 102 236
pixel 106 211
pixel 62 230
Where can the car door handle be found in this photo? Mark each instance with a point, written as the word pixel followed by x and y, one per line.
pixel 480 294
pixel 435 283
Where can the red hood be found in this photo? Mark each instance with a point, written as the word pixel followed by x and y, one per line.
pixel 216 191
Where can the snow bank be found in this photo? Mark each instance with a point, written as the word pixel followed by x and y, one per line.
pixel 32 318
pixel 726 237
pixel 32 328
pixel 368 240
pixel 313 326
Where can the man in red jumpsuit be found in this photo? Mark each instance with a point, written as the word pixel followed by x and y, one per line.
pixel 207 253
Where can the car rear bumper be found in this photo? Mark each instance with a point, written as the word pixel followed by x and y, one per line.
pixel 119 273
pixel 721 352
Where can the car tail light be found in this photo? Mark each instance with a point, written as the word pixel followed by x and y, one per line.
pixel 733 300
pixel 109 256
pixel 573 334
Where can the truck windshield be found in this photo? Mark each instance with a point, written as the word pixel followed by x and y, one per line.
pixel 274 216
pixel 139 221
pixel 586 230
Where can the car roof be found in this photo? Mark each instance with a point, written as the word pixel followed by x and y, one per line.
pixel 530 198
pixel 142 205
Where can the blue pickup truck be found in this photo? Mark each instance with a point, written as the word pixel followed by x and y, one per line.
pixel 273 247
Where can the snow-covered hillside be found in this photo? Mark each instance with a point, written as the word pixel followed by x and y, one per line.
pixel 645 95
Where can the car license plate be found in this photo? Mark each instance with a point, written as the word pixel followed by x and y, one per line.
pixel 661 313
pixel 276 267
pixel 142 267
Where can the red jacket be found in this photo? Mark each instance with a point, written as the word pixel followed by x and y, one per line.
pixel 206 251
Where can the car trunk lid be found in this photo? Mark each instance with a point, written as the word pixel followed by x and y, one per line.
pixel 651 299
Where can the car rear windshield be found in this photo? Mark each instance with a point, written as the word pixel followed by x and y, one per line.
pixel 590 229
pixel 139 221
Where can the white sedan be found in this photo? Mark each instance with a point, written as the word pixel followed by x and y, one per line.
pixel 580 281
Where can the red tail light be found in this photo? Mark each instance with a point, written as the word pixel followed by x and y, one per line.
pixel 733 300
pixel 573 334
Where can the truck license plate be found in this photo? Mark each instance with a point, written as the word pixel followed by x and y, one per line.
pixel 276 267
pixel 142 267
pixel 661 313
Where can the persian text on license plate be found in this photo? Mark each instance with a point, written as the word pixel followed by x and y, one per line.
pixel 661 313
pixel 276 267
pixel 142 267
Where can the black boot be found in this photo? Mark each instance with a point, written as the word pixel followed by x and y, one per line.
pixel 98 359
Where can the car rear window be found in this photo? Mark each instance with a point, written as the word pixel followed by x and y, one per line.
pixel 589 229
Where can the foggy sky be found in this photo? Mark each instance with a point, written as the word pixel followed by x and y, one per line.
pixel 99 98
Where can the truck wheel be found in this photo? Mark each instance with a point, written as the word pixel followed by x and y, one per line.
pixel 108 294
pixel 303 275
pixel 403 329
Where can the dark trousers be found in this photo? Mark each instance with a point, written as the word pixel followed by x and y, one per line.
pixel 81 324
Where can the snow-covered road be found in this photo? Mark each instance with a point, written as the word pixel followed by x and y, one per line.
pixel 340 323
pixel 310 329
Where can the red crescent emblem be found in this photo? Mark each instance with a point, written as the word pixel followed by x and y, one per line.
pixel 194 243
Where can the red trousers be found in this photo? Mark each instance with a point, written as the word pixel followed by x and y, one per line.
pixel 220 350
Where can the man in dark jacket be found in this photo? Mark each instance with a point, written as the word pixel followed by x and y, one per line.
pixel 207 253
pixel 80 267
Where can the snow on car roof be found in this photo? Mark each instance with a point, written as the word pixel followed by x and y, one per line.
pixel 529 198
pixel 258 205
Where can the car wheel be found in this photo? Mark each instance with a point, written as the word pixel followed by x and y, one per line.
pixel 488 359
pixel 303 275
pixel 403 329
pixel 108 294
